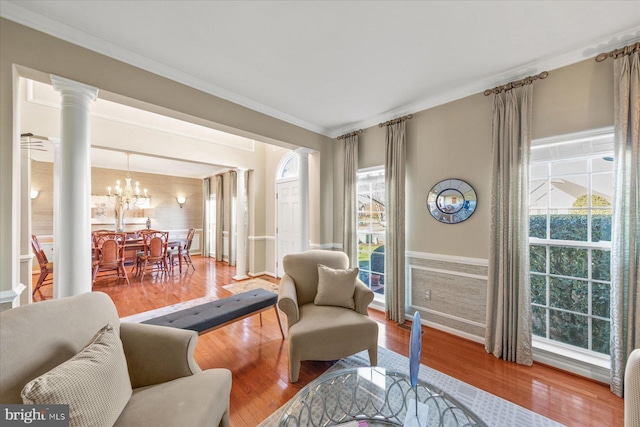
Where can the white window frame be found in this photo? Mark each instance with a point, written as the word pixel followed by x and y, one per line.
pixel 365 172
pixel 584 362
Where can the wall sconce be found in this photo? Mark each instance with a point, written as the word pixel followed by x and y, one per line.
pixel 34 194
pixel 181 200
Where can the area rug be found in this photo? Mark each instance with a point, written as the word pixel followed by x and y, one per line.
pixel 493 410
pixel 251 284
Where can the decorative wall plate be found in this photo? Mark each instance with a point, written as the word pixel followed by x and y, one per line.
pixel 452 201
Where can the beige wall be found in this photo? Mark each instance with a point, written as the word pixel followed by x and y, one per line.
pixel 23 50
pixel 454 141
pixel 165 212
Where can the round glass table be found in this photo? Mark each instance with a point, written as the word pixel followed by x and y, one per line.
pixel 373 397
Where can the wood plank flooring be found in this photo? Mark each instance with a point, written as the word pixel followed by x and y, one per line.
pixel 258 357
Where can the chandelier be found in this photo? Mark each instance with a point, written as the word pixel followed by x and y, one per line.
pixel 127 195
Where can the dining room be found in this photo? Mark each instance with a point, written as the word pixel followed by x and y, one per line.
pixel 168 163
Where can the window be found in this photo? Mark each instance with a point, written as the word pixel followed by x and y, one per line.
pixel 371 229
pixel 571 193
pixel 289 168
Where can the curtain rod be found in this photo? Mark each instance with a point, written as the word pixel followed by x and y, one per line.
pixel 517 83
pixel 623 51
pixel 347 135
pixel 395 121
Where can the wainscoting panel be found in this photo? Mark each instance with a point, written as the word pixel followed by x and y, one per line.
pixel 449 292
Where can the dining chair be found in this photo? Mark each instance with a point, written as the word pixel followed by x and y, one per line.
pixel 46 267
pixel 154 254
pixel 182 251
pixel 109 254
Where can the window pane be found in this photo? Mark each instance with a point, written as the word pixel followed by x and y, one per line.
pixel 538 259
pixel 601 225
pixel 602 165
pixel 377 260
pixel 601 265
pixel 538 226
pixel 565 191
pixel 539 170
pixel 573 166
pixel 568 261
pixel 571 226
pixel 364 276
pixel 568 328
pixel 538 289
pixel 569 294
pixel 600 295
pixel 602 189
pixel 371 230
pixel 538 194
pixel 600 339
pixel 539 318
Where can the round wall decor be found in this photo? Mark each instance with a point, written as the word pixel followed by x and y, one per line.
pixel 452 201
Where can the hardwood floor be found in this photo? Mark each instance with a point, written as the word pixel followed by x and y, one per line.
pixel 258 357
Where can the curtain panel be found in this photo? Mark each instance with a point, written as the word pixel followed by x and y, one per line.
pixel 625 244
pixel 350 212
pixel 206 197
pixel 508 326
pixel 394 261
pixel 233 195
pixel 219 217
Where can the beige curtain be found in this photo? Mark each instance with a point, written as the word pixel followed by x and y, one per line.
pixel 233 193
pixel 206 195
pixel 625 250
pixel 394 268
pixel 350 212
pixel 508 329
pixel 219 217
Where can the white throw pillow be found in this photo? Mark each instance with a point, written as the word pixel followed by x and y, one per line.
pixel 336 287
pixel 94 383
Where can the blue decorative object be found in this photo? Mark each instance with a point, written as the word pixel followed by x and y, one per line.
pixel 415 348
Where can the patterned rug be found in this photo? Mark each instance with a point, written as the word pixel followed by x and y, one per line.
pixel 251 284
pixel 493 410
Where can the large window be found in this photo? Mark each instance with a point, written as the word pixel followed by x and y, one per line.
pixel 571 192
pixel 371 228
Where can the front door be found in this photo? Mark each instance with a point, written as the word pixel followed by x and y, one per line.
pixel 288 233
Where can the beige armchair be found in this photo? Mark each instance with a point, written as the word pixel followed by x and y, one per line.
pixel 323 332
pixel 167 388
pixel 632 390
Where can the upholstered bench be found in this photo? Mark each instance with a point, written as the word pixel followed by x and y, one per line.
pixel 216 314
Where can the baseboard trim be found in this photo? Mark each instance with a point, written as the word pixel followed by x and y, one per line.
pixel 262 273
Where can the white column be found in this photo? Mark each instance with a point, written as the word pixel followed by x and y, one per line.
pixel 303 179
pixel 55 143
pixel 74 231
pixel 26 253
pixel 241 221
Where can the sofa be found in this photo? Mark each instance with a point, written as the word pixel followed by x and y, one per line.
pixel 148 376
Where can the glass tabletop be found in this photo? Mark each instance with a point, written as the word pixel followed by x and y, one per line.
pixel 372 397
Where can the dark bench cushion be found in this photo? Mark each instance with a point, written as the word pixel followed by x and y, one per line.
pixel 209 315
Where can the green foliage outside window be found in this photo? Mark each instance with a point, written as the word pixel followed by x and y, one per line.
pixel 571 293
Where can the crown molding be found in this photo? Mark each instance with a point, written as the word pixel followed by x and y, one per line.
pixel 14 12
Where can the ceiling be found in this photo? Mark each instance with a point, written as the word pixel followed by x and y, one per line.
pixel 336 66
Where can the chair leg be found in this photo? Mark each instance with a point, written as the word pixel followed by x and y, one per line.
pixel 279 321
pixel 41 277
pixel 373 355
pixel 294 369
pixel 124 272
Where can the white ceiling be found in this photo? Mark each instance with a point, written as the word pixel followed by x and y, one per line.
pixel 335 66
